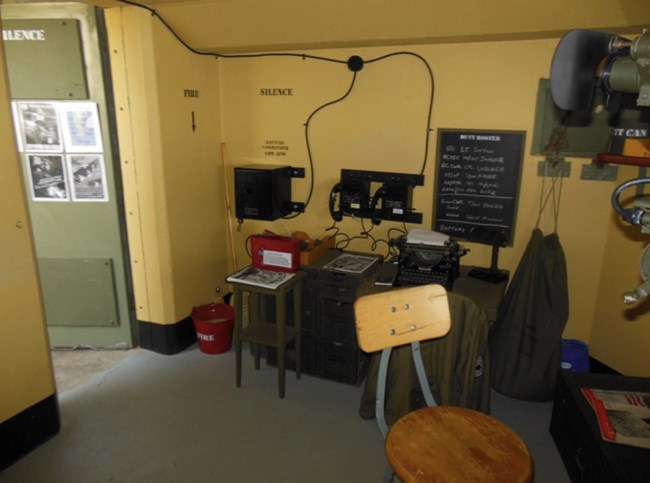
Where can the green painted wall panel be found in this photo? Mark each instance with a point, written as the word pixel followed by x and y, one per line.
pixel 45 49
pixel 78 291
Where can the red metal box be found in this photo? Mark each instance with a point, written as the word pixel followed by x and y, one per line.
pixel 276 252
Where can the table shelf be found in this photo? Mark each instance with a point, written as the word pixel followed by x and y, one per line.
pixel 265 333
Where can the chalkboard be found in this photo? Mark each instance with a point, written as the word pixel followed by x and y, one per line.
pixel 477 183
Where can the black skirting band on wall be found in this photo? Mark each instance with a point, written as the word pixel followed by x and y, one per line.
pixel 166 339
pixel 28 429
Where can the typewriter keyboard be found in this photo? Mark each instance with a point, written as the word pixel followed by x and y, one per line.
pixel 409 276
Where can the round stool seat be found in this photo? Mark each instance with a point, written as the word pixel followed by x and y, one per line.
pixel 448 443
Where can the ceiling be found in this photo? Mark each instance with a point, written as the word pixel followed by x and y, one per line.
pixel 263 25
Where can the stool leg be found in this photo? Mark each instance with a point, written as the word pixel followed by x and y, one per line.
pixel 280 320
pixel 388 474
pixel 297 321
pixel 237 299
pixel 254 311
pixel 256 354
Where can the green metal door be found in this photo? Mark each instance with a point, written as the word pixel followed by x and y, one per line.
pixel 62 113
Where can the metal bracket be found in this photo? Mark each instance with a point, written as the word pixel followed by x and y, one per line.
pixel 294 206
pixel 599 172
pixel 297 172
pixel 556 168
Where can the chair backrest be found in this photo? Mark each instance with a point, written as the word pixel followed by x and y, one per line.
pixel 401 316
pixel 397 317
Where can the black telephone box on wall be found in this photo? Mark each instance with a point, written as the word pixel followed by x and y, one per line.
pixel 263 192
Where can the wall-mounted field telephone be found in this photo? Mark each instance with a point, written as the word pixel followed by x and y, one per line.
pixel 353 199
pixel 391 200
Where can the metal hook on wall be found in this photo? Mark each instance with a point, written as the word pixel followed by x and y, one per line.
pixel 554 165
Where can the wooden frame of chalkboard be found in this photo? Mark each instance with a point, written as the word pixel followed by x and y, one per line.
pixel 478 174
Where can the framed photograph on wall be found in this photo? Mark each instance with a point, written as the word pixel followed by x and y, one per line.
pixel 80 126
pixel 40 128
pixel 47 177
pixel 87 176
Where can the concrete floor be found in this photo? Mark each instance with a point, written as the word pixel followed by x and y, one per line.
pixel 74 367
pixel 157 418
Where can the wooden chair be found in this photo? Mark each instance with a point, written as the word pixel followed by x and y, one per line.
pixel 436 443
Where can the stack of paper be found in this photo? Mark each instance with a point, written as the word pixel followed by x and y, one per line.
pixel 426 237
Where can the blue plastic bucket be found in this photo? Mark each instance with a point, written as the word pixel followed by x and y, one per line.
pixel 575 355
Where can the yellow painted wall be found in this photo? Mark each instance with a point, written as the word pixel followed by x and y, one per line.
pixel 26 376
pixel 381 127
pixel 622 332
pixel 172 173
pixel 174 188
pixel 479 85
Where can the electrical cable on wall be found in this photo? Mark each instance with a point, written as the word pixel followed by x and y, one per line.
pixel 391 249
pixel 430 112
pixel 309 155
pixel 354 64
pixel 217 55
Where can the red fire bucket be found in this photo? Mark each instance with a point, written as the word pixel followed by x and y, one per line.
pixel 214 326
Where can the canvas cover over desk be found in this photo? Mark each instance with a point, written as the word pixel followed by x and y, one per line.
pixel 457 365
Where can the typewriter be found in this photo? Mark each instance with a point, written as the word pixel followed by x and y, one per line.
pixel 421 264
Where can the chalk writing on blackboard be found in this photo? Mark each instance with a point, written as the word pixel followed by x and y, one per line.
pixel 477 182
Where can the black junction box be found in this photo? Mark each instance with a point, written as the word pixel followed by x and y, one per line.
pixel 262 192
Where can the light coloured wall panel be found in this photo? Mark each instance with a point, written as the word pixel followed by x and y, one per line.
pixel 24 345
pixel 170 147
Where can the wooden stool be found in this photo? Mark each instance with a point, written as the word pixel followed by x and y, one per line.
pixel 455 444
pixel 257 332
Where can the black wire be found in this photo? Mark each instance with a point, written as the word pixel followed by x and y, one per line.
pixel 366 235
pixel 336 232
pixel 347 241
pixel 227 56
pixel 363 228
pixel 430 111
pixel 313 57
pixel 375 241
pixel 173 32
pixel 248 251
pixel 403 232
pixel 333 227
pixel 309 155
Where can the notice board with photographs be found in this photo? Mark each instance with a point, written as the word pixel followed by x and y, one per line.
pixel 478 173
